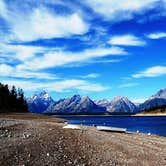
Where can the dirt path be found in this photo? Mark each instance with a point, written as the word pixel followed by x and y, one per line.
pixel 40 140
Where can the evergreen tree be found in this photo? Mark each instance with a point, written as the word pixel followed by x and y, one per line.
pixel 12 100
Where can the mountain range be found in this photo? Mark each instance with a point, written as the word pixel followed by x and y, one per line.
pixel 38 103
pixel 75 105
pixel 43 103
pixel 119 104
pixel 156 100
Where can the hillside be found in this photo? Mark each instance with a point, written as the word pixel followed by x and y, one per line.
pixel 158 110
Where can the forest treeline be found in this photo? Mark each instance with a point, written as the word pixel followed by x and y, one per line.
pixel 12 99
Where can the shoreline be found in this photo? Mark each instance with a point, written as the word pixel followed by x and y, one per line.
pixel 61 116
pixel 55 115
pixel 32 139
pixel 157 114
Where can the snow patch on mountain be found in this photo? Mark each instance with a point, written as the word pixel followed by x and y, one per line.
pixel 38 103
pixel 75 105
pixel 156 100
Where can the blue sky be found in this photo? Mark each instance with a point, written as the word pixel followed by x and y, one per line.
pixel 99 48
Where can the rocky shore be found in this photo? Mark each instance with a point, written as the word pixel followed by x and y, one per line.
pixel 29 139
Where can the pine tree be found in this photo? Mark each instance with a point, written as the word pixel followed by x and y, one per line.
pixel 12 100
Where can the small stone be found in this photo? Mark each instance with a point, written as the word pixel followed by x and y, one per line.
pixel 48 154
pixel 9 136
pixel 24 136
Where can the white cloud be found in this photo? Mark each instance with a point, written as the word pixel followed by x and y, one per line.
pixel 41 23
pixel 61 58
pixel 93 88
pixel 5 70
pixel 10 71
pixel 154 71
pixel 106 61
pixel 127 85
pixel 3 9
pixel 91 75
pixel 157 35
pixel 139 100
pixel 20 52
pixel 120 10
pixel 58 86
pixel 79 85
pixel 126 40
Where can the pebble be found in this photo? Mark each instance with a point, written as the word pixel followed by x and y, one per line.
pixel 25 135
pixel 48 154
pixel 9 136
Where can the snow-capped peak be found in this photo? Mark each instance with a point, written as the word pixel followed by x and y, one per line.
pixel 120 98
pixel 85 98
pixel 43 95
pixel 39 102
pixel 157 100
pixel 160 94
pixel 122 104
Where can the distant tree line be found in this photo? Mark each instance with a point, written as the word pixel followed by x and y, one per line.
pixel 12 99
pixel 158 109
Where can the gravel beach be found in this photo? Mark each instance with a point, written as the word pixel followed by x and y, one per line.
pixel 30 139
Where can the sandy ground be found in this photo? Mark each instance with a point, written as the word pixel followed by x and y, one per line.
pixel 150 114
pixel 29 139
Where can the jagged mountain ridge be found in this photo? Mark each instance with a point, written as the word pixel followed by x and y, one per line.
pixel 75 105
pixel 156 100
pixel 160 94
pixel 43 103
pixel 119 104
pixel 38 103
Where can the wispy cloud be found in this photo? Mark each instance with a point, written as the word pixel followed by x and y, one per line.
pixel 154 71
pixel 126 40
pixel 61 58
pixel 41 23
pixel 157 35
pixel 139 100
pixel 128 85
pixel 5 70
pixel 121 10
pixel 91 75
pixel 20 52
pixel 14 72
pixel 3 9
pixel 58 86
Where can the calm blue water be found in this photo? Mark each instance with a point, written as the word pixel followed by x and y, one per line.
pixel 145 124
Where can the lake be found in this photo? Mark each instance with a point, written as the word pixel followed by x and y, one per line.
pixel 144 124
